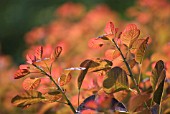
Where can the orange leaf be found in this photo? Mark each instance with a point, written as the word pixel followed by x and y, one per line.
pixel 112 54
pixel 130 34
pixel 21 73
pixel 31 83
pixel 95 43
pixel 109 29
pixel 65 78
pixel 56 53
pixel 44 64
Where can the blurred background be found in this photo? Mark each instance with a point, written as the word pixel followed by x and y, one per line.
pixel 20 16
pixel 25 24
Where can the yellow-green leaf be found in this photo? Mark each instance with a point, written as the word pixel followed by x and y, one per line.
pixel 27 98
pixel 116 80
pixel 157 81
pixel 100 64
pixel 65 78
pixel 141 50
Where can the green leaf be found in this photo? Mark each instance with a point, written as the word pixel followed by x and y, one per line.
pixel 116 80
pixel 27 98
pixel 100 64
pixel 157 81
pixel 83 73
pixel 141 50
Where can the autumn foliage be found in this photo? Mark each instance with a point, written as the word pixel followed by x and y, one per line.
pixel 84 63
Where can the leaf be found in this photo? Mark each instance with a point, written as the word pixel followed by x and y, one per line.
pixel 30 58
pixel 157 97
pixel 137 101
pixel 131 64
pixel 95 43
pixel 44 64
pixel 53 95
pixel 27 98
pixel 130 35
pixel 141 51
pixel 157 73
pixel 157 81
pixel 109 29
pixel 112 54
pixel 137 43
pixel 31 83
pixel 56 53
pixel 21 73
pixel 116 80
pixel 91 103
pixel 65 78
pixel 100 64
pixel 39 53
pixel 83 73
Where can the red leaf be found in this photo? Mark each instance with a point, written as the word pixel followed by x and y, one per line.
pixel 30 58
pixel 39 52
pixel 31 83
pixel 109 29
pixel 21 73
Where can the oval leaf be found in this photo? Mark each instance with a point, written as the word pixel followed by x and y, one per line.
pixel 109 29
pixel 21 73
pixel 86 64
pixel 100 64
pixel 130 34
pixel 39 53
pixel 137 101
pixel 27 98
pixel 65 78
pixel 56 53
pixel 157 81
pixel 112 54
pixel 116 80
pixel 31 83
pixel 95 43
pixel 141 51
pixel 53 96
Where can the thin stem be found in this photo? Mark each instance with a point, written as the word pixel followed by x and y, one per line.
pixel 78 97
pixel 127 65
pixel 62 92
